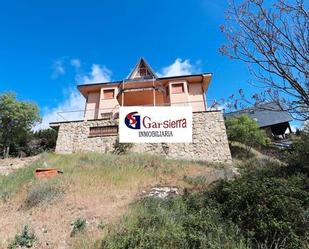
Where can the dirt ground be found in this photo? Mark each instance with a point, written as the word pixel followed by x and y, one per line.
pixel 8 165
pixel 52 223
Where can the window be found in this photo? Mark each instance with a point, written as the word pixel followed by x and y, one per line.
pixel 167 91
pixel 103 131
pixel 108 93
pixel 178 88
pixel 143 71
pixel 107 115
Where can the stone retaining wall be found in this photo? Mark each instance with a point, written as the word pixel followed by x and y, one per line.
pixel 209 139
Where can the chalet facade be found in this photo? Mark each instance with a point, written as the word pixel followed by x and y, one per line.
pixel 144 88
pixel 99 128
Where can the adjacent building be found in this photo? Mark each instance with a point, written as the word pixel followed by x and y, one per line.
pixel 269 116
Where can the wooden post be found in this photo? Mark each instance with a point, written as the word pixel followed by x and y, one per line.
pixel 153 93
pixel 122 94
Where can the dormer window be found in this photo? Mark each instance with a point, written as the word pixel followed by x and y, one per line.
pixel 142 70
pixel 109 93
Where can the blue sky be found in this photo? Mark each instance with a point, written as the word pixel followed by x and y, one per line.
pixel 46 47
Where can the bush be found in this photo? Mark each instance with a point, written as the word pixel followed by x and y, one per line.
pixel 298 156
pixel 172 223
pixel 245 130
pixel 43 192
pixel 25 239
pixel 79 226
pixel 270 211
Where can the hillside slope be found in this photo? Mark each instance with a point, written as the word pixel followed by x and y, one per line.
pixel 94 187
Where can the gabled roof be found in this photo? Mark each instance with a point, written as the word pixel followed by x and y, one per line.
pixel 149 75
pixel 142 70
pixel 265 114
pixel 204 77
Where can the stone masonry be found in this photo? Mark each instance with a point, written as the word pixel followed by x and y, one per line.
pixel 209 144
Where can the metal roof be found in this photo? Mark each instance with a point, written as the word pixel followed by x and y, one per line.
pixel 265 114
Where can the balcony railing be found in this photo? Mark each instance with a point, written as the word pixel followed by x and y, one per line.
pixel 113 113
pixel 143 84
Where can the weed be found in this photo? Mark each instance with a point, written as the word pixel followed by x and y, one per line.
pixel 42 192
pixel 25 239
pixel 196 180
pixel 101 225
pixel 78 226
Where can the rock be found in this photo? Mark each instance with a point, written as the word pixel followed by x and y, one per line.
pixel 161 192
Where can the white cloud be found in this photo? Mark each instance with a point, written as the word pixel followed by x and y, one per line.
pixel 75 63
pixel 72 108
pixel 58 69
pixel 74 102
pixel 98 74
pixel 179 67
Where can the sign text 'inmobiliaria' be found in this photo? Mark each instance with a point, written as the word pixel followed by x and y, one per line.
pixel 155 124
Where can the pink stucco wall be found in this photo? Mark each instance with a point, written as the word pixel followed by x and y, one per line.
pixel 193 95
pixel 92 105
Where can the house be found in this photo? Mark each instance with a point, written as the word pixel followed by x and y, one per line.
pixel 99 128
pixel 269 116
pixel 143 87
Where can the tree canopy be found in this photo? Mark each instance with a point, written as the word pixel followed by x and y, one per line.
pixel 245 130
pixel 16 120
pixel 273 39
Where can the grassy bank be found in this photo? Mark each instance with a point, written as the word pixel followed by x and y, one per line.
pixel 94 187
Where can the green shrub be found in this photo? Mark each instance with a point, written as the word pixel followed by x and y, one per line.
pixel 25 239
pixel 172 223
pixel 245 130
pixel 270 211
pixel 298 156
pixel 78 226
pixel 43 192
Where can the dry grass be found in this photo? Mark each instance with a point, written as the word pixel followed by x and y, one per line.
pixel 94 187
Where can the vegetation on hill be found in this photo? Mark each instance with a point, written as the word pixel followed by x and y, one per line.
pixel 94 187
pixel 267 207
pixel 245 130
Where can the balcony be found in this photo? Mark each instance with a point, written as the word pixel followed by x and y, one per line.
pixel 144 92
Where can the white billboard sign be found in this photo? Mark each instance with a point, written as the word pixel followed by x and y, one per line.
pixel 163 124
